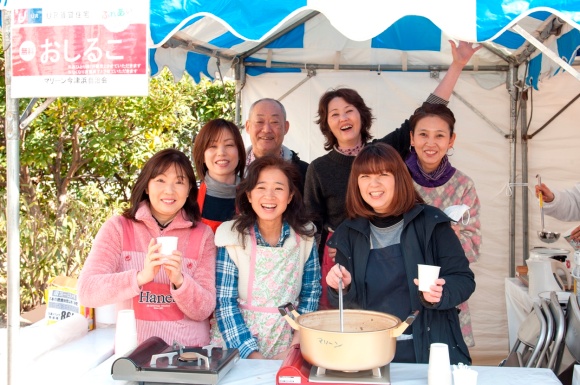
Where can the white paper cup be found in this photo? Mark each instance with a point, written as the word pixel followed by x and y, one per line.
pixel 427 276
pixel 440 377
pixel 126 332
pixel 168 245
pixel 465 377
pixel 439 372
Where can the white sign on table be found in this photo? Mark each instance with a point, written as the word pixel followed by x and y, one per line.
pixel 76 48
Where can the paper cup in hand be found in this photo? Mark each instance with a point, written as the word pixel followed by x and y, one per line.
pixel 168 245
pixel 427 276
pixel 126 332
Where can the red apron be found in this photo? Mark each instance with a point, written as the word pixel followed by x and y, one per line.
pixel 327 263
pixel 200 201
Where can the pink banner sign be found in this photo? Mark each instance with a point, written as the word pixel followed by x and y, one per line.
pixel 76 52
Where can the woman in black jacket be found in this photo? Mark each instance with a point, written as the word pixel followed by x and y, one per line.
pixel 389 232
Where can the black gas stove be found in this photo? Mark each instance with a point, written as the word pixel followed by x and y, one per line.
pixel 156 362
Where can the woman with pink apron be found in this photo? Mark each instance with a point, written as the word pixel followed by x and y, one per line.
pixel 172 295
pixel 266 258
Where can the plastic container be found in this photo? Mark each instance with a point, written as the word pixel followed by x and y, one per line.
pixel 576 272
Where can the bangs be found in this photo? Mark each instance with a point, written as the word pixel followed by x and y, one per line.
pixel 370 163
pixel 165 165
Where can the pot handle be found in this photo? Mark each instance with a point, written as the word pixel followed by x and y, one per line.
pixel 404 325
pixel 287 310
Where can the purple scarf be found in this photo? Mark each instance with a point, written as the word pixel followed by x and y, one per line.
pixel 437 178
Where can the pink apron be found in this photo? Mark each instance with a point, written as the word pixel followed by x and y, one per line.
pixel 155 302
pixel 275 279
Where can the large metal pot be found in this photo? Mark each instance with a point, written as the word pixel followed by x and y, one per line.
pixel 368 339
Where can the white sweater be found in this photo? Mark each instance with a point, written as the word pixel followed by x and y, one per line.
pixel 566 205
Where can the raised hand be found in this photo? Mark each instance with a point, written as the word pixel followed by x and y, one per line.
pixel 463 52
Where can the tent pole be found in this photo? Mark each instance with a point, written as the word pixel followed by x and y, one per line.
pixel 512 89
pixel 525 203
pixel 240 79
pixel 12 206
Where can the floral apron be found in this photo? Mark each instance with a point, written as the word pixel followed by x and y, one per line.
pixel 274 280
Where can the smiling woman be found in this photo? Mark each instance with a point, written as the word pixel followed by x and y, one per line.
pixel 218 154
pixel 388 233
pixel 125 266
pixel 266 257
pixel 442 185
pixel 345 122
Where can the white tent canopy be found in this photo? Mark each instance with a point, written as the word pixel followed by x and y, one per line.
pixel 296 50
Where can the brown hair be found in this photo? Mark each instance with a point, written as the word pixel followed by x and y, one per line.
pixel 430 109
pixel 351 97
pixel 156 165
pixel 211 132
pixel 294 214
pixel 375 159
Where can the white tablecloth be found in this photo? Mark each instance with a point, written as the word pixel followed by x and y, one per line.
pixel 518 305
pixel 62 365
pixel 263 372
pixel 88 361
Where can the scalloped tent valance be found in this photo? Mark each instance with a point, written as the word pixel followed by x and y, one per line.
pixel 206 36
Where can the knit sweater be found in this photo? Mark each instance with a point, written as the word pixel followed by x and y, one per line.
pixel 327 178
pixel 327 181
pixel 460 189
pixel 109 276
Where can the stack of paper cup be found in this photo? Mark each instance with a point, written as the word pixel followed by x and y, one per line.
pixel 126 332
pixel 439 372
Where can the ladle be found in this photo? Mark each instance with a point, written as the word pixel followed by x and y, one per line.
pixel 340 308
pixel 545 236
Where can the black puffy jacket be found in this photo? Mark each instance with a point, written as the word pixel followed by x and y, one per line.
pixel 426 238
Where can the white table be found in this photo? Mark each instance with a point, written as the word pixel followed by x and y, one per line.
pixel 518 305
pixel 263 372
pixel 64 364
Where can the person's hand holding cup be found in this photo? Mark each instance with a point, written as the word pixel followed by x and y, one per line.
pixel 430 283
pixel 168 245
pixel 171 260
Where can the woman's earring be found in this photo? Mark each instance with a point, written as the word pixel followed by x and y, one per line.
pixel 452 151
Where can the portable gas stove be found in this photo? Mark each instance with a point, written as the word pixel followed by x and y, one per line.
pixel 295 370
pixel 154 362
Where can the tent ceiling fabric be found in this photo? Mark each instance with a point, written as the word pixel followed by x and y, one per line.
pixel 190 36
